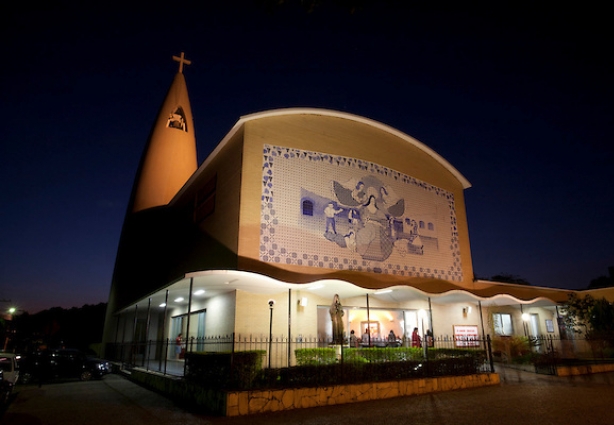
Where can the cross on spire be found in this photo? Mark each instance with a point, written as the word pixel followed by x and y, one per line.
pixel 181 59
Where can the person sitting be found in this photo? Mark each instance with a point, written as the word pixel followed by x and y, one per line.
pixel 365 340
pixel 392 337
pixel 353 340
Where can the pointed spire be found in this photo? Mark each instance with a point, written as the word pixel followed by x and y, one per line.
pixel 170 155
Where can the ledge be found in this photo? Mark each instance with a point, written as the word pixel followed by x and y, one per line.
pixel 240 403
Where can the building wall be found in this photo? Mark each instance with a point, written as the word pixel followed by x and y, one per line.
pixel 352 140
pixel 254 319
pixel 224 168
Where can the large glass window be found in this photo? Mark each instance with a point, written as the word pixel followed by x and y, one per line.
pixel 502 324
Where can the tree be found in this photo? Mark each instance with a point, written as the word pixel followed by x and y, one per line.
pixel 74 328
pixel 603 281
pixel 510 278
pixel 596 316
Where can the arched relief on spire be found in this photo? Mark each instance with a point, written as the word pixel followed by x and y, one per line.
pixel 177 119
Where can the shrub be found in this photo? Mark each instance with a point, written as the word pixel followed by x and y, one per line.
pixel 515 349
pixel 224 370
pixel 315 356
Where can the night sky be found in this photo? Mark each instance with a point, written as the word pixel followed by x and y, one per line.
pixel 517 98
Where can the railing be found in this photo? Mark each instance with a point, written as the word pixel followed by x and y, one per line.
pixel 166 357
pixel 544 353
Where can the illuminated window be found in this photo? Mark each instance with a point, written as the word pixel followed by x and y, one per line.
pixel 503 324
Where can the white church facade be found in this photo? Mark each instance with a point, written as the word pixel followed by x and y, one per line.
pixel 293 207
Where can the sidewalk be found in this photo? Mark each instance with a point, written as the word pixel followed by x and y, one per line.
pixel 521 398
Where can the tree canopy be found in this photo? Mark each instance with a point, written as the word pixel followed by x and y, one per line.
pixel 510 278
pixel 73 328
pixel 593 317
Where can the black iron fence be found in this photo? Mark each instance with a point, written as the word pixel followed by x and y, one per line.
pixel 544 353
pixel 168 357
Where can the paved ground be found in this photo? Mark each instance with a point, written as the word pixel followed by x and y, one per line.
pixel 522 398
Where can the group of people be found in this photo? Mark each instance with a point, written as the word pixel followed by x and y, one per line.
pixel 416 339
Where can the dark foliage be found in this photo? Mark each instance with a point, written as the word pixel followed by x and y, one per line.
pixel 603 281
pixel 242 370
pixel 75 328
pixel 510 278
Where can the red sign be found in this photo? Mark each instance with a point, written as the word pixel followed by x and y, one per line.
pixel 466 336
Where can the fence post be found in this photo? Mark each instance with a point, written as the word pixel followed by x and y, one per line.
pixel 166 343
pixel 492 363
pixel 552 355
pixel 147 350
pixel 232 358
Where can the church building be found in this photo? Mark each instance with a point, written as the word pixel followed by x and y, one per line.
pixel 293 207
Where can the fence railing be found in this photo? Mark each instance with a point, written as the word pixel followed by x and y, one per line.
pixel 544 353
pixel 167 357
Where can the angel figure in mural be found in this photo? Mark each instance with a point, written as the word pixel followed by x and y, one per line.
pixel 336 316
pixel 372 206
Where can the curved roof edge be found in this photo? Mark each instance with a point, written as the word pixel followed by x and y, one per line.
pixel 331 113
pixel 361 119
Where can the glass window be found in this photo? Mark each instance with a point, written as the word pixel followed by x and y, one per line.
pixel 503 324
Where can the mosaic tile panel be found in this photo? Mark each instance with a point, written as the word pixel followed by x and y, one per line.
pixel 336 212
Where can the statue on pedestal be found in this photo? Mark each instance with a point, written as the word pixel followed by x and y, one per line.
pixel 336 316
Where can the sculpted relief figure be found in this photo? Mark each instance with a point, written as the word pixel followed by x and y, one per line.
pixel 336 316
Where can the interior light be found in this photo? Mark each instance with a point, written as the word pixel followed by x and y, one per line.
pixel 163 305
pixel 199 292
pixel 178 299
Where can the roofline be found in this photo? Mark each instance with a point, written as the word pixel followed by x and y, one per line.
pixel 337 114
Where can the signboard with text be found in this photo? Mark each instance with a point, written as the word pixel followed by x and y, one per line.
pixel 466 336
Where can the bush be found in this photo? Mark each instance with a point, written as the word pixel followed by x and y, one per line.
pixel 224 370
pixel 315 356
pixel 515 349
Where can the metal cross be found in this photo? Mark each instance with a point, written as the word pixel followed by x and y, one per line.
pixel 181 59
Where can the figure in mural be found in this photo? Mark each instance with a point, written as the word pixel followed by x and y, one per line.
pixel 372 206
pixel 336 316
pixel 359 194
pixel 330 212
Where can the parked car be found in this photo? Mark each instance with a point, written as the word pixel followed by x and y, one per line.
pixel 9 364
pixel 62 363
pixel 5 391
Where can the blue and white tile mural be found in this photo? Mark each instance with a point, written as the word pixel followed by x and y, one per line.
pixel 344 213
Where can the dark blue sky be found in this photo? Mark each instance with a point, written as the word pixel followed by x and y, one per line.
pixel 518 99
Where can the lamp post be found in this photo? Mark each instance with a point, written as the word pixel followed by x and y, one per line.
pixel 271 304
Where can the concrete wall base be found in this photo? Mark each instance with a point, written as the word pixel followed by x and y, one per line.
pixel 242 403
pixel 584 369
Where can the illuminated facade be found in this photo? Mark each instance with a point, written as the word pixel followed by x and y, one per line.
pixel 297 205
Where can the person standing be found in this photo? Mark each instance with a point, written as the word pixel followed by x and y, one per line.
pixel 416 340
pixel 178 345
